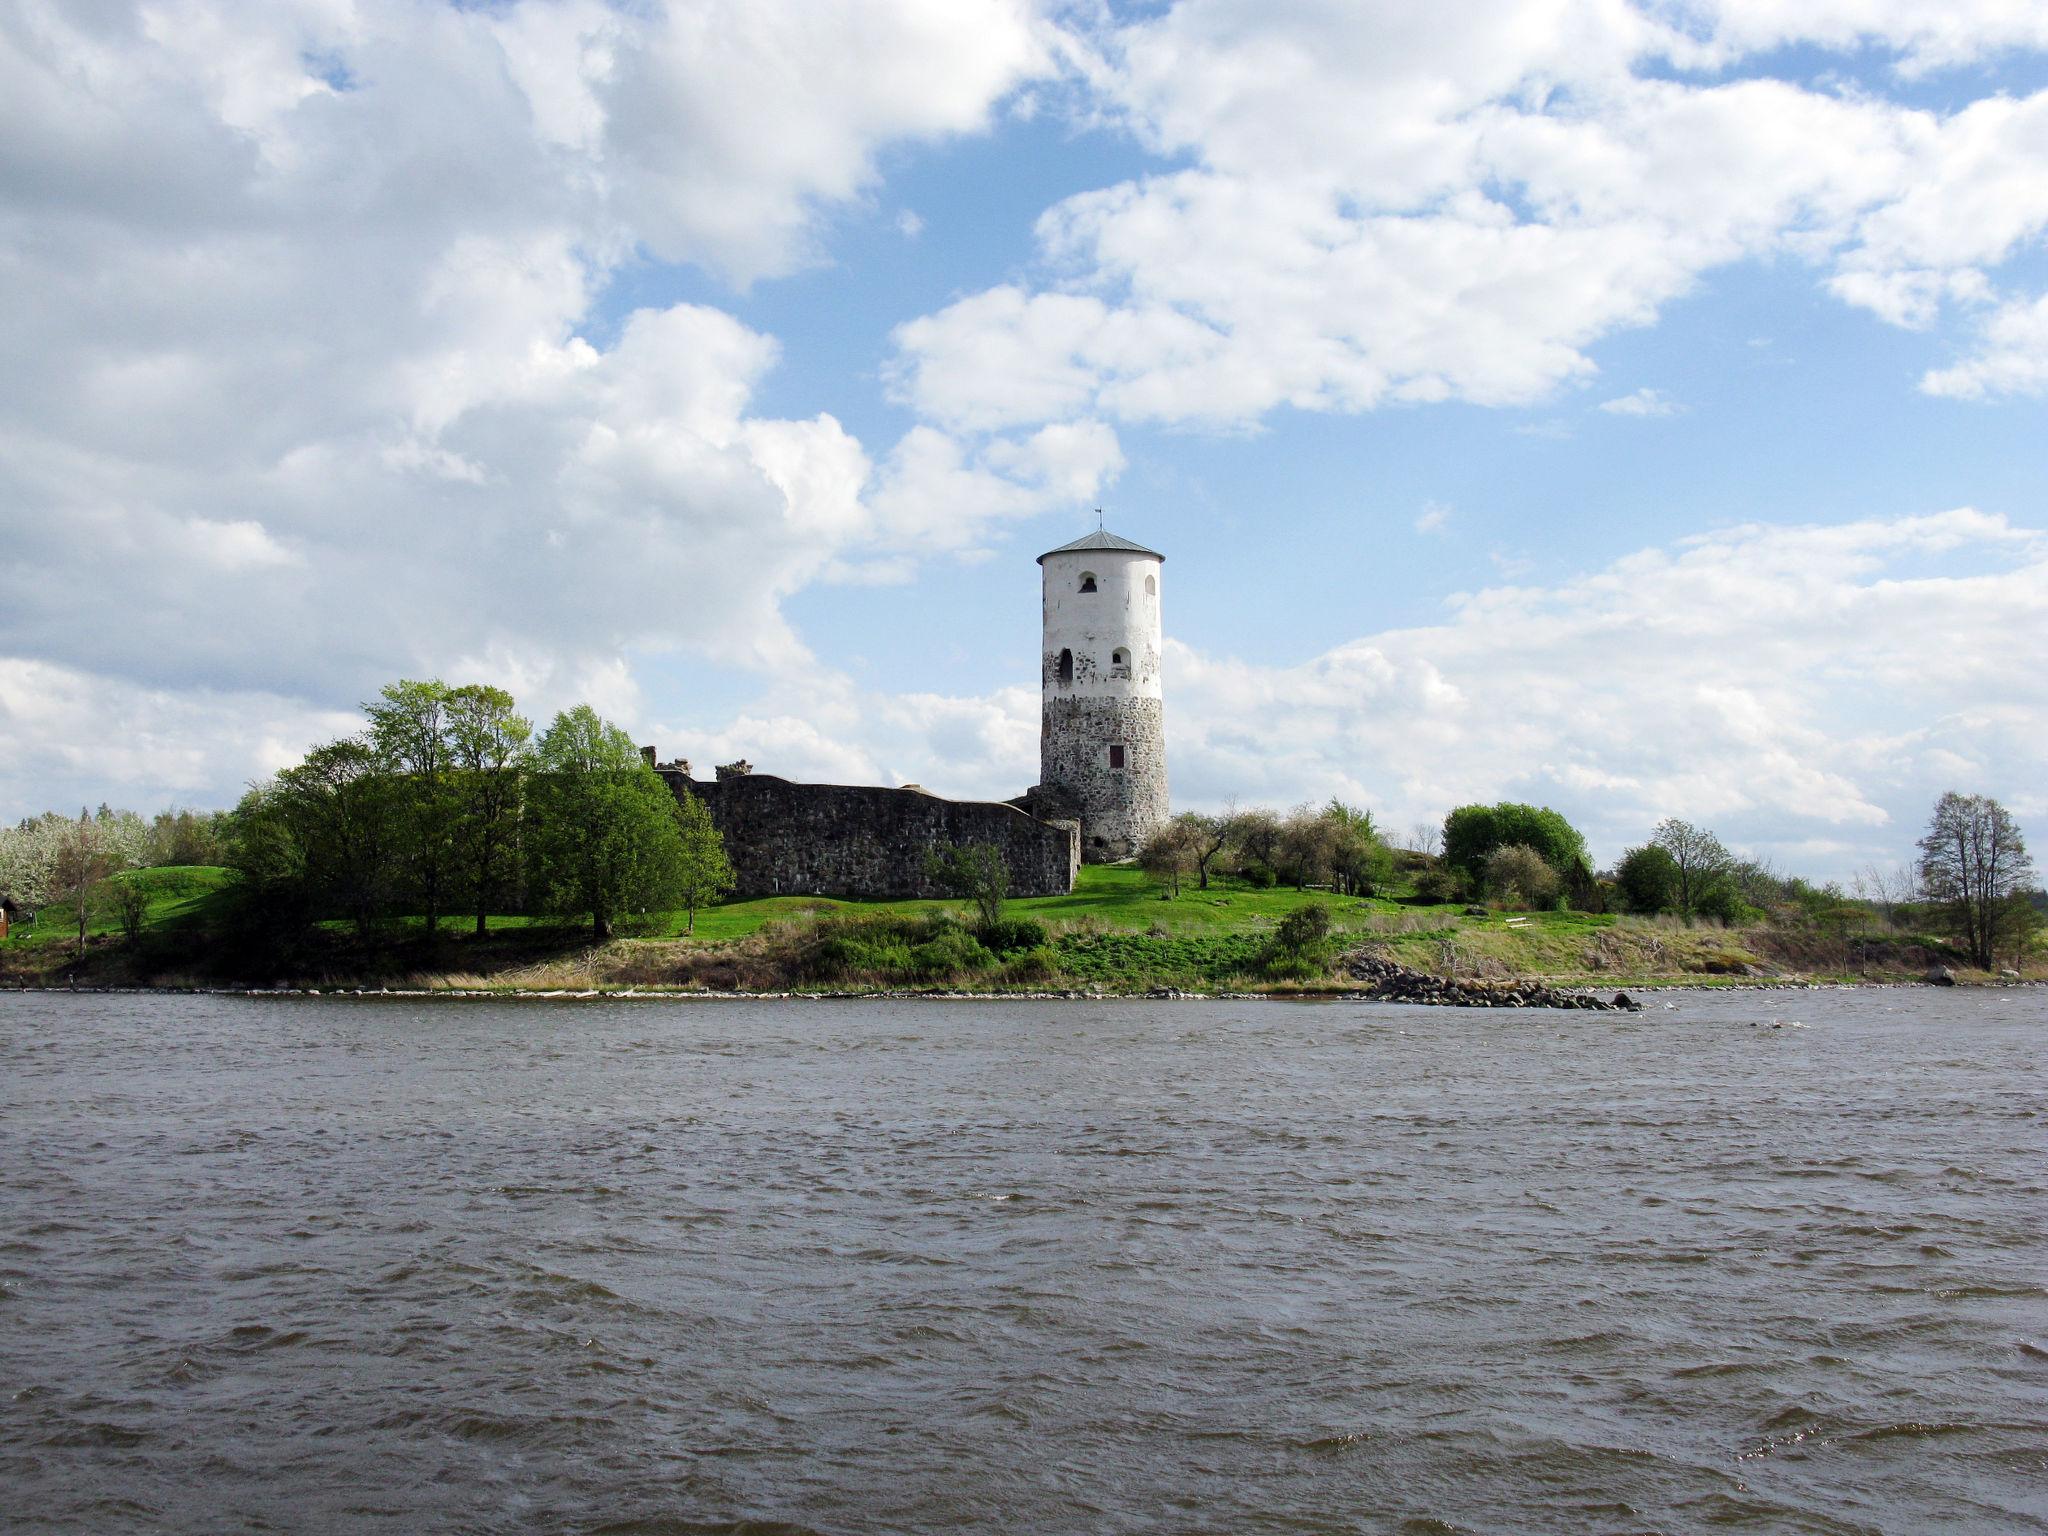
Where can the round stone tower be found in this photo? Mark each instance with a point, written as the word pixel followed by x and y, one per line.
pixel 1102 734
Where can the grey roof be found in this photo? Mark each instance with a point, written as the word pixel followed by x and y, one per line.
pixel 1101 540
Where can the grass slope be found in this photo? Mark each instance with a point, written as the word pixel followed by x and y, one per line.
pixel 1114 933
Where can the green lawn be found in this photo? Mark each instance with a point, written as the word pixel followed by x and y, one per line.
pixel 1116 897
pixel 178 894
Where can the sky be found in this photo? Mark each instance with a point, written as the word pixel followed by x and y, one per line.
pixel 1635 408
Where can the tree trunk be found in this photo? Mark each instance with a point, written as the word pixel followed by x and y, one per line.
pixel 481 923
pixel 600 927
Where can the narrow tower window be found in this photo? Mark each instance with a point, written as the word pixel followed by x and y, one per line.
pixel 1066 666
pixel 1119 662
pixel 1116 757
pixel 1087 581
pixel 1151 586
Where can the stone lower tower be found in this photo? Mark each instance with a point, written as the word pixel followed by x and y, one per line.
pixel 1102 733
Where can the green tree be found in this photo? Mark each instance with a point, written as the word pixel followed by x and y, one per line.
pixel 1973 861
pixel 705 873
pixel 409 730
pixel 604 833
pixel 1702 863
pixel 488 743
pixel 975 872
pixel 1471 832
pixel 1517 873
pixel 1209 836
pixel 332 824
pixel 1171 853
pixel 87 854
pixel 1648 879
pixel 1360 862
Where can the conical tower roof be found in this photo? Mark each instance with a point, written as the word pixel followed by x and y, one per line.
pixel 1100 539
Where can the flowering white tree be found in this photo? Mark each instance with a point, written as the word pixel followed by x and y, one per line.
pixel 28 858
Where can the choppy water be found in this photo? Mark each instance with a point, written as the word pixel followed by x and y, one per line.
pixel 1174 1267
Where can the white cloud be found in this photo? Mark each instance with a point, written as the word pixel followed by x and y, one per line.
pixel 1642 402
pixel 1778 683
pixel 1433 518
pixel 298 388
pixel 909 224
pixel 1378 209
pixel 2011 357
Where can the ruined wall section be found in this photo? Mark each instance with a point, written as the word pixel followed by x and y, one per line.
pixel 855 840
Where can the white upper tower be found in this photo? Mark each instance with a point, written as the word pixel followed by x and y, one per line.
pixel 1102 735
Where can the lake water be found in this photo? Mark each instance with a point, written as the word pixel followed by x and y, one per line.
pixel 917 1266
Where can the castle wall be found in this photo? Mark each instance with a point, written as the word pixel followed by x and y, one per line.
pixel 857 840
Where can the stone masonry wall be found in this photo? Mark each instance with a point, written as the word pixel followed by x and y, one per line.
pixel 1120 807
pixel 855 840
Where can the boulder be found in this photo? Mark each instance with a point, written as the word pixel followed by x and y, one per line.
pixel 1941 976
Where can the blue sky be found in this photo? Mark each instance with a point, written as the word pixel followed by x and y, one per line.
pixel 1637 409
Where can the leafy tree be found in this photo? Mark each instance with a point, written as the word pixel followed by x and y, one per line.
pixel 704 873
pixel 86 855
pixel 1471 832
pixel 409 730
pixel 1648 879
pixel 1360 862
pixel 1702 863
pixel 329 827
pixel 488 743
pixel 1256 843
pixel 188 837
pixel 1209 836
pixel 975 872
pixel 1172 853
pixel 1518 873
pixel 131 904
pixel 1973 861
pixel 604 833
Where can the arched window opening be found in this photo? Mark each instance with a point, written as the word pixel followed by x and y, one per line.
pixel 1116 757
pixel 1119 662
pixel 1087 581
pixel 1151 586
pixel 1066 666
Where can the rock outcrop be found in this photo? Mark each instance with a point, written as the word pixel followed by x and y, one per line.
pixel 1394 983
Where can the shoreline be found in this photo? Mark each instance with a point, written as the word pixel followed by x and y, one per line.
pixel 1157 995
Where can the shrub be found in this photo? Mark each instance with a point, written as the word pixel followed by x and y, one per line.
pixel 1471 832
pixel 1648 879
pixel 1032 965
pixel 950 954
pixel 1259 877
pixel 1441 885
pixel 1299 949
pixel 1516 872
pixel 1012 934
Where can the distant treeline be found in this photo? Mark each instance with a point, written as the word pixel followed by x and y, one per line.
pixel 1973 876
pixel 445 804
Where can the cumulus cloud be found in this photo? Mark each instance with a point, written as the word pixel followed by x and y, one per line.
pixel 2011 357
pixel 1377 208
pixel 305 379
pixel 1793 687
pixel 1433 518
